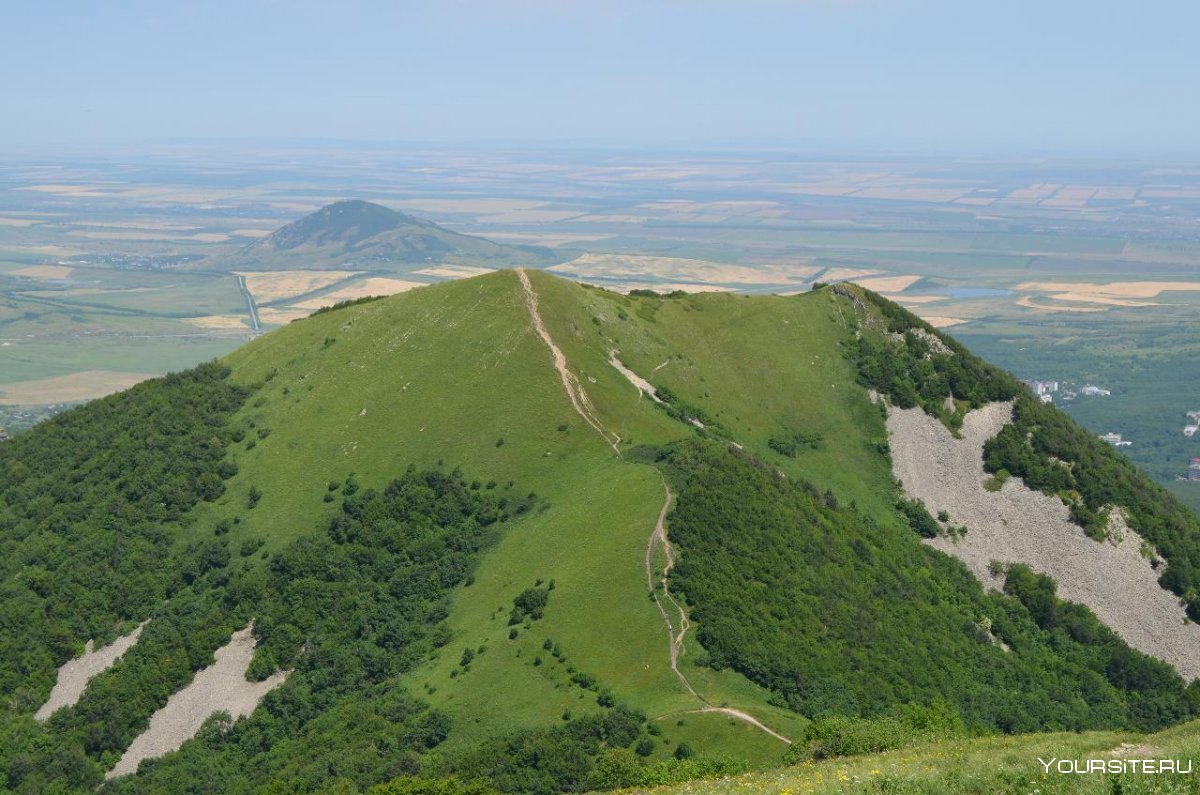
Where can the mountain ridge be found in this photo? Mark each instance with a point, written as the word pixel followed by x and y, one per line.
pixel 362 436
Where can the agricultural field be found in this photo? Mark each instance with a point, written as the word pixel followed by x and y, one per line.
pixel 1077 271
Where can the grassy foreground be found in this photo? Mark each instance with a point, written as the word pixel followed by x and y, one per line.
pixel 1002 764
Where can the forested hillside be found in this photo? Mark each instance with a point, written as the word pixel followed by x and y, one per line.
pixel 479 556
pixel 841 616
pixel 1043 446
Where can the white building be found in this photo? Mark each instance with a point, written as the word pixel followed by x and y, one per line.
pixel 1190 430
pixel 1114 439
pixel 1094 391
pixel 1043 387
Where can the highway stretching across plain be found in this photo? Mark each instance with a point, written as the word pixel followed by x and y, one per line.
pixel 241 280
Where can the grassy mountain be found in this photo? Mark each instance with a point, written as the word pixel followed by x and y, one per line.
pixel 368 235
pixel 491 561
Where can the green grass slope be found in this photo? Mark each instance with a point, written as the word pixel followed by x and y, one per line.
pixel 993 765
pixel 446 376
pixel 548 626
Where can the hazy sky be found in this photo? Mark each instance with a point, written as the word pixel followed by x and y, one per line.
pixel 951 74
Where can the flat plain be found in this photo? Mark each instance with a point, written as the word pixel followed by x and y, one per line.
pixel 1073 271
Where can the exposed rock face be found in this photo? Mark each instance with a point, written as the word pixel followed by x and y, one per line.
pixel 74 675
pixel 221 686
pixel 1019 525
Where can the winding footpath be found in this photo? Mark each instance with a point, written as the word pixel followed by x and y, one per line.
pixel 658 536
pixel 576 394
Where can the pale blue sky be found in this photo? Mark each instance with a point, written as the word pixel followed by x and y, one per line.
pixel 951 75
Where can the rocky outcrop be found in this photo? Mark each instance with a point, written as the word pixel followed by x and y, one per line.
pixel 1114 578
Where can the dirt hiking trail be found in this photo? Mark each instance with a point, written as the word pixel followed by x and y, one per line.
pixel 675 648
pixel 575 392
pixel 658 536
pixel 644 387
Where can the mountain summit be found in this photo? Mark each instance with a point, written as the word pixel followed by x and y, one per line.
pixel 346 223
pixel 515 534
pixel 361 233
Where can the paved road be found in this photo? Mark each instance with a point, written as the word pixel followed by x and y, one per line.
pixel 249 302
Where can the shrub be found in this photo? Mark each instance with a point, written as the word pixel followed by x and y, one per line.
pixel 530 603
pixel 840 736
pixel 918 518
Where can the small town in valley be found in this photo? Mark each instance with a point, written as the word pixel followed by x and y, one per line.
pixel 1064 391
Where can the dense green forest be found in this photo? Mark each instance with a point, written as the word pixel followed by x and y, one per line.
pixel 83 502
pixel 1050 452
pixel 346 612
pixel 89 502
pixel 907 360
pixel 1043 446
pixel 841 616
pixel 1149 369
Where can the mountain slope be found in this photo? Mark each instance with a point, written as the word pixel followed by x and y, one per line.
pixel 1025 763
pixel 367 235
pixel 438 510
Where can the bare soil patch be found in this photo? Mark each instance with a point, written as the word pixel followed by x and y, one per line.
pixel 81 191
pixel 1019 525
pixel 74 675
pixel 280 317
pixel 375 285
pixel 453 271
pixel 70 388
pixel 643 386
pixel 221 686
pixel 846 274
pixel 1093 298
pixel 669 287
pixel 1112 289
pixel 638 268
pixel 268 286
pixel 44 272
pixel 219 322
pixel 1028 302
pixel 889 284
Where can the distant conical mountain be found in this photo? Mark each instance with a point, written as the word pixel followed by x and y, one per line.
pixel 365 234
